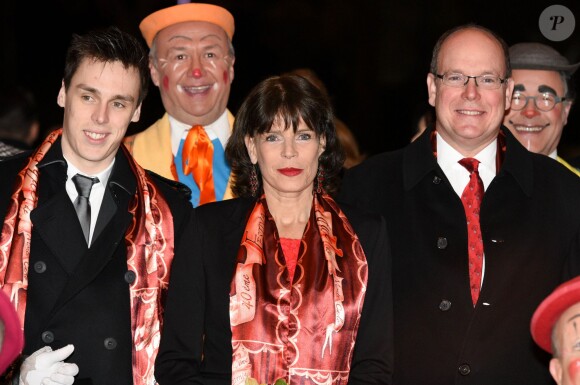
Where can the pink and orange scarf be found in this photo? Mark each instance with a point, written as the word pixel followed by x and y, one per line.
pixel 301 331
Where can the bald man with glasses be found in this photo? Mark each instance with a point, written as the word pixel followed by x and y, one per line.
pixel 542 98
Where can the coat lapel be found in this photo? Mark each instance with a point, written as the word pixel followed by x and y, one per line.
pixel 54 217
pixel 48 220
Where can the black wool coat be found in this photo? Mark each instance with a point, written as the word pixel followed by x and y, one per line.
pixel 530 221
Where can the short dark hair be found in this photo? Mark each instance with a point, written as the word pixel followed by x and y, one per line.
pixel 435 57
pixel 290 98
pixel 108 45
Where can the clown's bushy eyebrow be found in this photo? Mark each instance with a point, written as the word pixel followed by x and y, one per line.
pixel 544 88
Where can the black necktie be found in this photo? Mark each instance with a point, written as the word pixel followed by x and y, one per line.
pixel 84 184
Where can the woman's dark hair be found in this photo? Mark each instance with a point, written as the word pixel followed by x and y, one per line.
pixel 288 98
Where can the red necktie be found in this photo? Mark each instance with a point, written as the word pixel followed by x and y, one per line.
pixel 197 160
pixel 471 199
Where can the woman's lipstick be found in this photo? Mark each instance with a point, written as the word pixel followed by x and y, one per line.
pixel 290 171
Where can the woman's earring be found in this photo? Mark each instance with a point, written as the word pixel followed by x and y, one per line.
pixel 320 180
pixel 254 181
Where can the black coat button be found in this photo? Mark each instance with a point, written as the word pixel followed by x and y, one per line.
pixel 47 337
pixel 441 243
pixel 445 305
pixel 464 369
pixel 110 343
pixel 436 180
pixel 130 276
pixel 40 267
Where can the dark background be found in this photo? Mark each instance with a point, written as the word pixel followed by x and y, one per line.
pixel 373 55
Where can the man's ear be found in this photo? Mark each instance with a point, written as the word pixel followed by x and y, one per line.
pixel 556 370
pixel 431 88
pixel 231 71
pixel 61 98
pixel 154 73
pixel 136 114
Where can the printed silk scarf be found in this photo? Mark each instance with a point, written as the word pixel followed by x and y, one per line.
pixel 149 241
pixel 302 332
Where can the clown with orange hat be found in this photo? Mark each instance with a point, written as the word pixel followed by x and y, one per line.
pixel 191 60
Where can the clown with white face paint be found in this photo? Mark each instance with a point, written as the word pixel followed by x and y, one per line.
pixel 542 98
pixel 191 62
pixel 556 328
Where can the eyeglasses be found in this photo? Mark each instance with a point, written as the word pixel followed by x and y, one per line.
pixel 486 82
pixel 543 102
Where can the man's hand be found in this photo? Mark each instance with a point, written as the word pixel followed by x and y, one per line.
pixel 46 367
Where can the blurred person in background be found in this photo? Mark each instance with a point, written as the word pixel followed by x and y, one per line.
pixel 19 123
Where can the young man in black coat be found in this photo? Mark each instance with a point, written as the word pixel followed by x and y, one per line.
pixel 87 271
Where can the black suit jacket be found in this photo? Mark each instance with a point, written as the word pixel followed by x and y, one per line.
pixel 78 295
pixel 196 342
pixel 530 221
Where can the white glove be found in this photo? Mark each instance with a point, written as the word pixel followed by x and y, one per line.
pixel 46 367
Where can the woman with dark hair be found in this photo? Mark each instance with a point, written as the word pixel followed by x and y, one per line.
pixel 283 285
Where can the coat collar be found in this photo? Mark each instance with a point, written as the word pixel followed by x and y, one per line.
pixel 419 161
pixel 121 179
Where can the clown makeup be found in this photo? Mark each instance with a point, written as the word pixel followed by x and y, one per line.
pixel 194 71
pixel 538 130
pixel 574 371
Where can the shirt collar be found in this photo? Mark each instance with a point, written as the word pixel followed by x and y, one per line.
pixel 447 155
pixel 219 129
pixel 103 176
pixel 448 159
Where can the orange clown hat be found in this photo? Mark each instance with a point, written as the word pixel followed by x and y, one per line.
pixel 180 13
